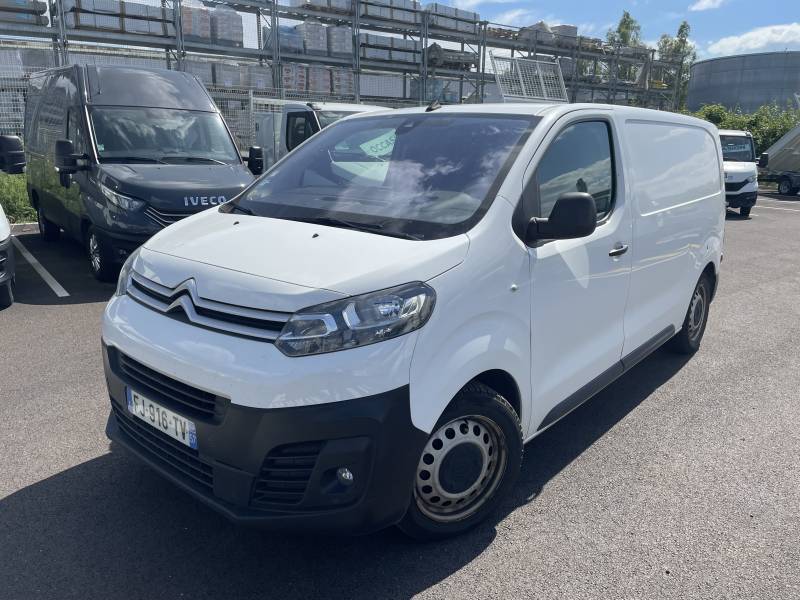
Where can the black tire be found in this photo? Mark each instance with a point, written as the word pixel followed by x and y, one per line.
pixel 785 187
pixel 48 230
pixel 6 294
pixel 687 340
pixel 477 445
pixel 745 211
pixel 101 257
pixel 793 191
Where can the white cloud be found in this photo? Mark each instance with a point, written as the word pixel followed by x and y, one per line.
pixel 771 37
pixel 706 5
pixel 518 17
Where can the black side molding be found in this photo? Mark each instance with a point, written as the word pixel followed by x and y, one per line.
pixel 607 377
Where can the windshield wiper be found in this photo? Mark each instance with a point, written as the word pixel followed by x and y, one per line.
pixel 236 207
pixel 369 227
pixel 192 158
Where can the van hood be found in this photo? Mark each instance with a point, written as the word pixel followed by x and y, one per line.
pixel 344 261
pixel 179 187
pixel 738 171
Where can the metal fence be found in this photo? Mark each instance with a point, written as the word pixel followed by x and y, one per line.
pixel 526 80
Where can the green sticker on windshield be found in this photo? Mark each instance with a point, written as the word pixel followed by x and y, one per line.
pixel 100 147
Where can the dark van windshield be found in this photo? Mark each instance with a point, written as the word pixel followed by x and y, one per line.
pixel 414 175
pixel 737 148
pixel 162 135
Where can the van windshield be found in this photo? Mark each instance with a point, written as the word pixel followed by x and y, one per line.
pixel 326 117
pixel 130 134
pixel 737 148
pixel 419 176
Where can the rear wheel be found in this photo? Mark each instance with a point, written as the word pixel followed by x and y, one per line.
pixel 6 294
pixel 687 340
pixel 468 466
pixel 745 211
pixel 785 187
pixel 101 258
pixel 48 230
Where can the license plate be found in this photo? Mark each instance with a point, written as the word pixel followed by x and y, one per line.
pixel 163 419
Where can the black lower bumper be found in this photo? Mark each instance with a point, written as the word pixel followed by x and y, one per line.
pixel 122 244
pixel 278 468
pixel 6 260
pixel 745 200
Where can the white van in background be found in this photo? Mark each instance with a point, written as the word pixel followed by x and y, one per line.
pixel 369 333
pixel 281 126
pixel 741 172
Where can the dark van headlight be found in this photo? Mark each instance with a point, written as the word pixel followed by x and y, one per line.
pixel 357 321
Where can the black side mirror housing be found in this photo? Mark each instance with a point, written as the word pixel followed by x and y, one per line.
pixel 255 160
pixel 573 216
pixel 65 159
pixel 12 156
pixel 763 160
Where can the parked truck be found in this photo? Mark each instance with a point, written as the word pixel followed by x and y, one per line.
pixel 781 163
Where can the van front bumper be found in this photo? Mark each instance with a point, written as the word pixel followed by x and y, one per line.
pixel 281 468
pixel 745 199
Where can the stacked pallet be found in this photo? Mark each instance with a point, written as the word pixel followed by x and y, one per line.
pixel 405 50
pixel 118 16
pixel 342 82
pixel 26 12
pixel 226 26
pixel 340 40
pixel 315 37
pixel 457 19
pixel 227 74
pixel 290 39
pixel 195 21
pixel 319 80
pixel 340 6
pixel 257 77
pixel 382 47
pixel 294 77
pixel 406 11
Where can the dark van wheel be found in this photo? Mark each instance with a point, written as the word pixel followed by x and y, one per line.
pixel 6 294
pixel 48 230
pixel 745 211
pixel 468 466
pixel 101 259
pixel 687 340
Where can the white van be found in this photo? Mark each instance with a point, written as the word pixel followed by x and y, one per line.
pixel 741 172
pixel 370 332
pixel 282 125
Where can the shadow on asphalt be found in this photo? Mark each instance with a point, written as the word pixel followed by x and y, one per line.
pixel 66 261
pixel 111 528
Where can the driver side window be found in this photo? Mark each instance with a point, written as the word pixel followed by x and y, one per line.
pixel 580 159
pixel 298 129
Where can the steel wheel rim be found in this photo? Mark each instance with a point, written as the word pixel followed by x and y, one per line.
pixel 783 188
pixel 94 252
pixel 434 493
pixel 697 312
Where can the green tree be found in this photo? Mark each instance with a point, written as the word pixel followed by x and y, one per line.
pixel 681 51
pixel 767 124
pixel 627 33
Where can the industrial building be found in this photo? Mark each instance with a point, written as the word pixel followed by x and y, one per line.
pixel 747 81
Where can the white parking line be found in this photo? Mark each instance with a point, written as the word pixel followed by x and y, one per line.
pixel 779 208
pixel 37 266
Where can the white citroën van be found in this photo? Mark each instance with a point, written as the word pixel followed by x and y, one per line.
pixel 370 332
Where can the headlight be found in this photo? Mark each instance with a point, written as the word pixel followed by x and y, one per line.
pixel 125 274
pixel 752 178
pixel 120 200
pixel 357 321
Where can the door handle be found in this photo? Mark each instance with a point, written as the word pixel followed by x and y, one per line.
pixel 618 250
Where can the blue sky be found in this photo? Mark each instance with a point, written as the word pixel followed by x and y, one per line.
pixel 719 27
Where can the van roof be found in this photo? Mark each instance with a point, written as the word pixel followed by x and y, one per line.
pixel 154 88
pixel 735 132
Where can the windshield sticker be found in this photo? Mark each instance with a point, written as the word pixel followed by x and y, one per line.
pixel 737 148
pixel 101 147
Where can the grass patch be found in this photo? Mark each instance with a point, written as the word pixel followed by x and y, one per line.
pixel 14 199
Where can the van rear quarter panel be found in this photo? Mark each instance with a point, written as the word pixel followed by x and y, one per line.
pixel 674 169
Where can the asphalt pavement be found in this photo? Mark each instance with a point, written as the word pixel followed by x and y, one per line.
pixel 681 480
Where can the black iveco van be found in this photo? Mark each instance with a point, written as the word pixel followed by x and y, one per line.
pixel 114 154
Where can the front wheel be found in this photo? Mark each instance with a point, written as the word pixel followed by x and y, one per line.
pixel 745 211
pixel 48 230
pixel 101 259
pixel 687 340
pixel 785 187
pixel 468 466
pixel 6 294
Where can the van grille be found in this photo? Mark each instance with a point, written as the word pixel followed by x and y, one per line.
pixel 171 454
pixel 183 302
pixel 284 476
pixel 163 218
pixel 734 186
pixel 185 398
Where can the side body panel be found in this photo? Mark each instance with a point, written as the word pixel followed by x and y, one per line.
pixel 579 294
pixel 675 170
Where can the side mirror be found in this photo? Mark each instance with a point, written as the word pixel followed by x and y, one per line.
pixel 65 160
pixel 255 160
pixel 763 160
pixel 12 156
pixel 573 216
